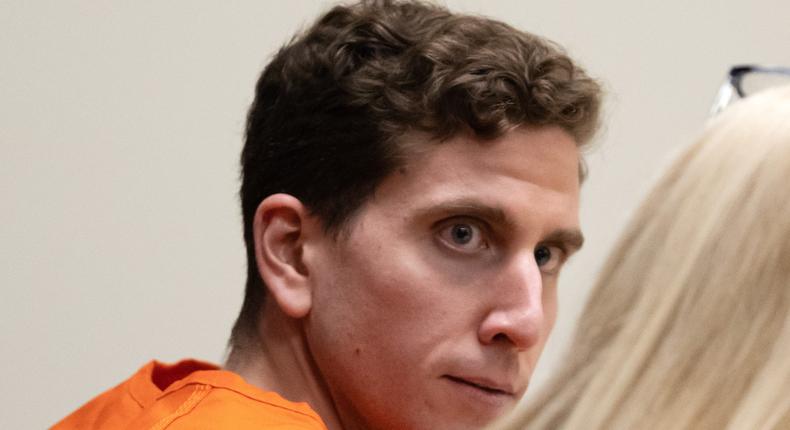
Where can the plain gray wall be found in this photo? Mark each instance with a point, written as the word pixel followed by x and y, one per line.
pixel 120 128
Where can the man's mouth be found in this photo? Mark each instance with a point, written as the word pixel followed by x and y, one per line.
pixel 484 385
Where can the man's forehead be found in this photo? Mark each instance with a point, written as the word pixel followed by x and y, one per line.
pixel 536 154
pixel 415 146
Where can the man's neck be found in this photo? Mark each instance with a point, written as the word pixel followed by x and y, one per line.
pixel 278 360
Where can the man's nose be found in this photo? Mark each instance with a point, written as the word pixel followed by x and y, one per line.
pixel 516 315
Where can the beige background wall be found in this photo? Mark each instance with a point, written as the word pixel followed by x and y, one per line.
pixel 120 127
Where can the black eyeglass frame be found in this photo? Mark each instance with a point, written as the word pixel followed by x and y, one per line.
pixel 733 84
pixel 738 72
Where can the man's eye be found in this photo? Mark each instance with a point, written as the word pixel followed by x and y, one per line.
pixel 549 258
pixel 463 236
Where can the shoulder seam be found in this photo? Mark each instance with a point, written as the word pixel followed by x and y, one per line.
pixel 199 394
pixel 314 418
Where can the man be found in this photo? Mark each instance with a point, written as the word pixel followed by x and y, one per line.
pixel 410 193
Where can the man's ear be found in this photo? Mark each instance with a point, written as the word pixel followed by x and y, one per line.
pixel 278 230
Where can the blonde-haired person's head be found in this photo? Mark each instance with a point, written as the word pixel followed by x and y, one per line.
pixel 688 326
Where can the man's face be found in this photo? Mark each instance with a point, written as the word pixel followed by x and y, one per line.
pixel 432 311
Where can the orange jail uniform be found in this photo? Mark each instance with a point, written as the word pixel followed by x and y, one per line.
pixel 190 395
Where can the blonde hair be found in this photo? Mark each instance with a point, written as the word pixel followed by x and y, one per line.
pixel 688 325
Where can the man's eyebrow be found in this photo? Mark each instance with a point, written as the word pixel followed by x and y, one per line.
pixel 471 208
pixel 573 239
